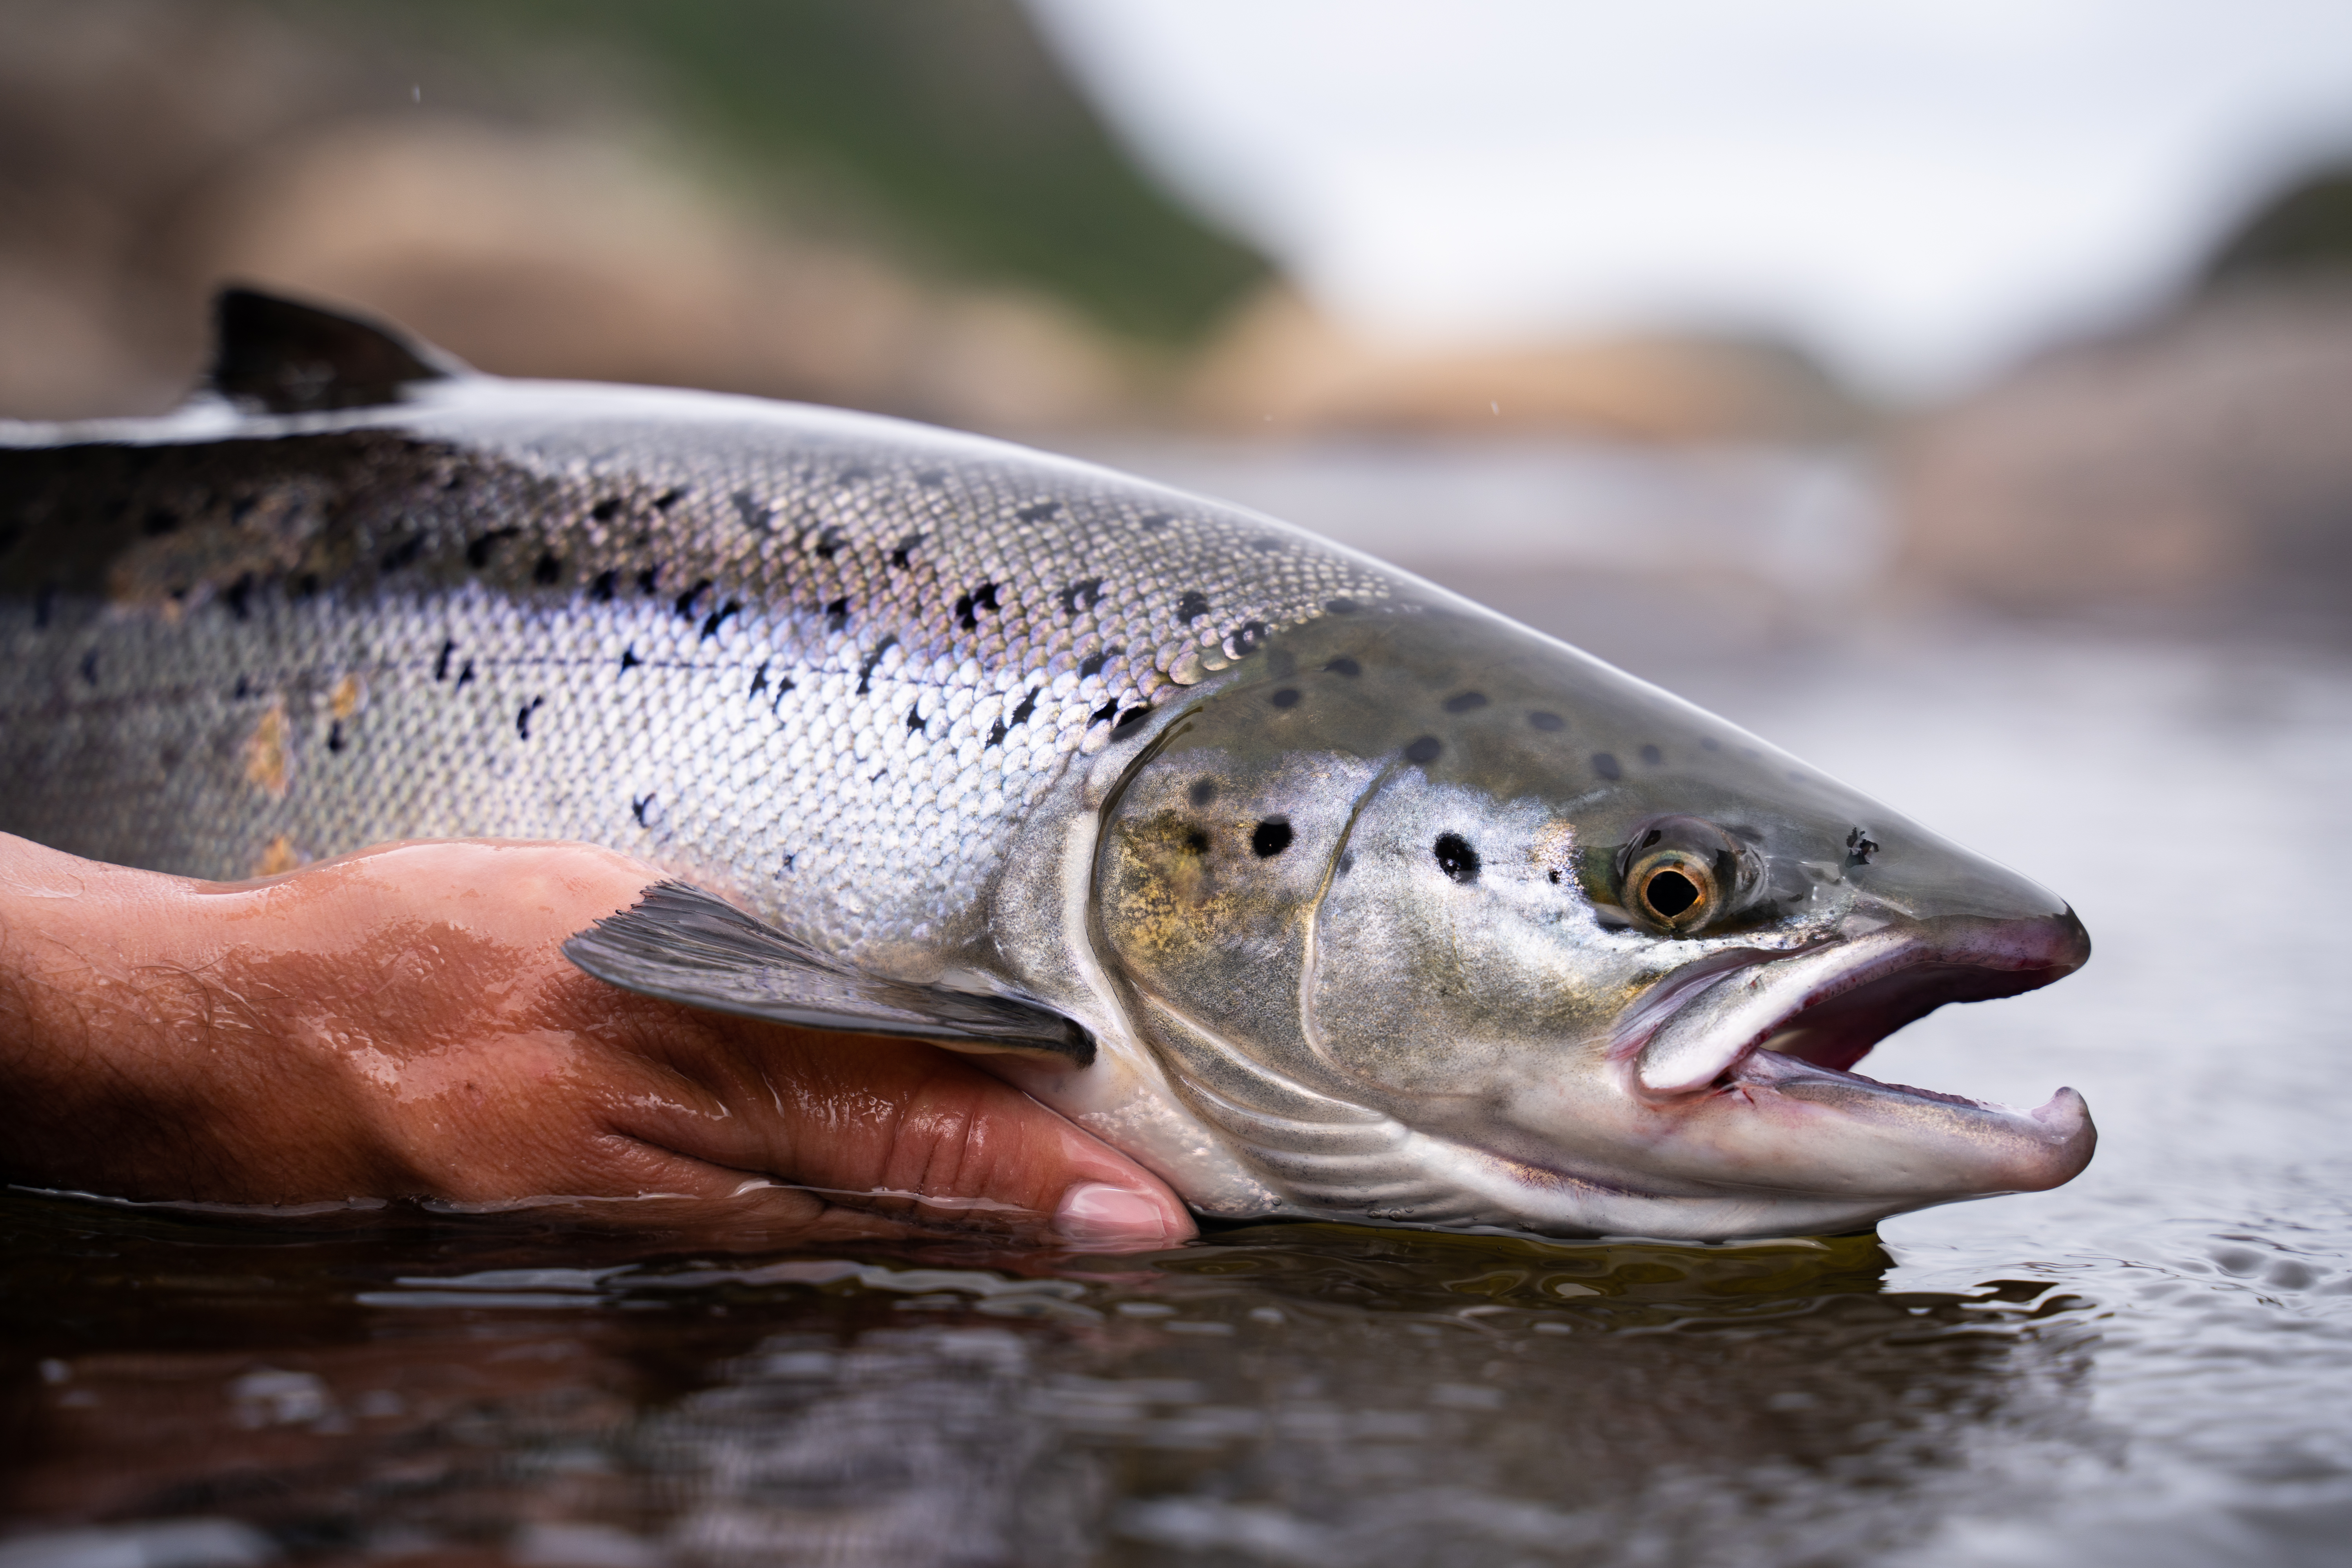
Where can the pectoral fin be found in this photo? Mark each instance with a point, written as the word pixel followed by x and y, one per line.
pixel 683 945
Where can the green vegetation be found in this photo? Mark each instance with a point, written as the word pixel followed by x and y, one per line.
pixel 2304 230
pixel 947 116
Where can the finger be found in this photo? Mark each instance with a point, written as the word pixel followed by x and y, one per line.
pixel 863 1118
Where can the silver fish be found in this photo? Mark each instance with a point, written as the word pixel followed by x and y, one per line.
pixel 1315 888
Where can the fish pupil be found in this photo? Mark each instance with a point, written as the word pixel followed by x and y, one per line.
pixel 1456 859
pixel 1670 893
pixel 1271 839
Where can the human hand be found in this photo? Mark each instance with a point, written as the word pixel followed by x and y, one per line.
pixel 402 1023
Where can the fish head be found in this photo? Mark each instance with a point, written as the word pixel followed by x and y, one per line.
pixel 1435 919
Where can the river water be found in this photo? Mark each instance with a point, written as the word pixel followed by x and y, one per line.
pixel 2151 1366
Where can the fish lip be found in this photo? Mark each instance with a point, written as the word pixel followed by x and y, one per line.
pixel 1710 1031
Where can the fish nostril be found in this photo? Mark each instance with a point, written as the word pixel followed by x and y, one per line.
pixel 1456 859
pixel 1272 837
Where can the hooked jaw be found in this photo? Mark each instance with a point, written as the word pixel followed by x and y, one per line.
pixel 1750 1073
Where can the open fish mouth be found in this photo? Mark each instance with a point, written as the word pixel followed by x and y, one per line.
pixel 1785 1032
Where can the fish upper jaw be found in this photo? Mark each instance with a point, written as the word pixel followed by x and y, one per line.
pixel 1830 1003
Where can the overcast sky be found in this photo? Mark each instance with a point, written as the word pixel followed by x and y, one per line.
pixel 1917 189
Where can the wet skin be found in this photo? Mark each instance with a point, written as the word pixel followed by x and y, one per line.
pixel 399 1023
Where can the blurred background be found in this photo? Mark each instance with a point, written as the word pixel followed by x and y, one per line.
pixel 1671 332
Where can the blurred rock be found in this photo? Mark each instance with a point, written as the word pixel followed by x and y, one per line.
pixel 151 148
pixel 1282 365
pixel 2201 463
pixel 551 254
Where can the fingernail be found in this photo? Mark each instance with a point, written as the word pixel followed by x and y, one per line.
pixel 1096 1212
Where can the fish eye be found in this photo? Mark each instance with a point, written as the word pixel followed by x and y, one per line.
pixel 1682 874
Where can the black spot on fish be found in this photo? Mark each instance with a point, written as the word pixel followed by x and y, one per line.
pixel 306 586
pixel 601 590
pixel 638 807
pixel 757 515
pixel 915 717
pixel 1202 792
pixel 877 776
pixel 238 597
pixel 1653 756
pixel 873 662
pixel 1285 697
pixel 828 541
pixel 1347 862
pixel 522 718
pixel 967 607
pixel 1860 846
pixel 1272 837
pixel 1424 750
pixel 1108 710
pixel 629 659
pixel 1606 766
pixel 900 551
pixel 996 733
pixel 783 684
pixel 1093 663
pixel 465 677
pixel 1154 521
pixel 1554 874
pixel 1344 666
pixel 1456 859
pixel 1196 841
pixel 244 690
pixel 648 577
pixel 1341 606
pixel 1245 639
pixel 1546 721
pixel 1028 706
pixel 606 510
pixel 550 567
pixel 667 499
pixel 1083 594
pixel 90 666
pixel 1466 701
pixel 1130 720
pixel 1266 546
pixel 477 553
pixel 719 617
pixel 836 615
pixel 760 680
pixel 1191 606
pixel 1039 512
pixel 686 601
pixel 441 664
pixel 159 521
pixel 788 863
pixel 403 553
pixel 335 736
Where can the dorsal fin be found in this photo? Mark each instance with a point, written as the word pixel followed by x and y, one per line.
pixel 281 357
